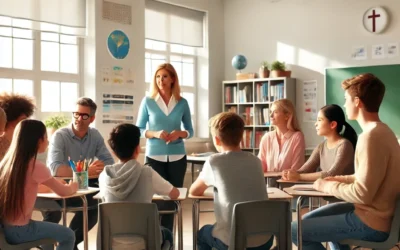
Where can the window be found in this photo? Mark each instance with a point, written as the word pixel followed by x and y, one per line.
pixel 183 58
pixel 40 64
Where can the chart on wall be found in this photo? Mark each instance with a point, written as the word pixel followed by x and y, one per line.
pixel 116 75
pixel 118 44
pixel 117 108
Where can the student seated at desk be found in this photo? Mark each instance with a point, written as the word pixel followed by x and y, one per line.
pixel 128 180
pixel 369 194
pixel 20 176
pixel 236 175
pixel 335 155
pixel 283 148
pixel 78 141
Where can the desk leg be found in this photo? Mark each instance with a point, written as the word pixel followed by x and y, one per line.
pixel 85 223
pixel 299 232
pixel 195 222
pixel 64 212
pixel 192 172
pixel 180 225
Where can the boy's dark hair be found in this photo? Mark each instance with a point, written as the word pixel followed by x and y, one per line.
pixel 124 139
pixel 87 102
pixel 368 88
pixel 15 105
pixel 229 127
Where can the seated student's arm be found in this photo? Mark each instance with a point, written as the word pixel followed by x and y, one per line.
pixel 44 189
pixel 55 158
pixel 307 171
pixel 341 178
pixel 344 158
pixel 205 179
pixel 61 189
pixel 372 165
pixel 299 149
pixel 163 187
pixel 262 154
pixel 41 174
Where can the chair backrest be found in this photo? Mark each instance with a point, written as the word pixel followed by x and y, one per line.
pixel 129 218
pixel 394 235
pixel 257 217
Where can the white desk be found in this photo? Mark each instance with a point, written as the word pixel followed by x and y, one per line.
pixel 81 194
pixel 178 211
pixel 273 194
pixel 302 194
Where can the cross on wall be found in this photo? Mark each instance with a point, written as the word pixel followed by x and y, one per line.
pixel 374 16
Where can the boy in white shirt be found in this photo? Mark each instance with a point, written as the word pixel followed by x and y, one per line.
pixel 128 180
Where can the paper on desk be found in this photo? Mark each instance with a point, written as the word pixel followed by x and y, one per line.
pixel 303 187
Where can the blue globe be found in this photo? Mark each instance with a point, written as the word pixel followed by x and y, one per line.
pixel 239 62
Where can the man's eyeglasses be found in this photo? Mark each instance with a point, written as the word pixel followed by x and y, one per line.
pixel 84 116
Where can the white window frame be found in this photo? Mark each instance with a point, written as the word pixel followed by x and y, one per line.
pixel 189 89
pixel 37 75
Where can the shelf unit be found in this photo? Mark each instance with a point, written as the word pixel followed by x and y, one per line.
pixel 251 99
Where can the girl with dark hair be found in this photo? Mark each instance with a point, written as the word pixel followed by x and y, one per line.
pixel 335 155
pixel 20 177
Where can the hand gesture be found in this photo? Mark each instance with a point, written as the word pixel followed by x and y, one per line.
pixel 96 168
pixel 290 175
pixel 173 136
pixel 162 134
pixel 73 186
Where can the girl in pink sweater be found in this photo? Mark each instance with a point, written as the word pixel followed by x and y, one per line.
pixel 20 177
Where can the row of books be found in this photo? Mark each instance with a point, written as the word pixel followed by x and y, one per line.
pixel 261 93
pixel 233 96
pixel 262 116
pixel 250 140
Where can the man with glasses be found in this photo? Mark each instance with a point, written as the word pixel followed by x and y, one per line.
pixel 79 142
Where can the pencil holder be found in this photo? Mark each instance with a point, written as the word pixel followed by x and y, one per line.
pixel 82 178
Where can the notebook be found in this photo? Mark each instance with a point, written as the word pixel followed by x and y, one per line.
pixel 303 187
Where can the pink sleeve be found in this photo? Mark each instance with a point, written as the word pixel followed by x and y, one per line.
pixel 41 173
pixel 298 149
pixel 262 154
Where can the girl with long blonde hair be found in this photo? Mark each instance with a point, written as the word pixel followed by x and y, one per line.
pixel 284 147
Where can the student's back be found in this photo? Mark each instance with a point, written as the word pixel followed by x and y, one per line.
pixel 129 181
pixel 238 178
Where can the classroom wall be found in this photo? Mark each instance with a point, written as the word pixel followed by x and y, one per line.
pixel 310 35
pixel 211 63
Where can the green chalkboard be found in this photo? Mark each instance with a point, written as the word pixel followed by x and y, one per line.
pixel 389 74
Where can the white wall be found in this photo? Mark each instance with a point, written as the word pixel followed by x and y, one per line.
pixel 308 34
pixel 211 65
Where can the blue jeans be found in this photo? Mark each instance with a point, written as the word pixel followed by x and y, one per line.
pixel 333 223
pixel 36 230
pixel 205 241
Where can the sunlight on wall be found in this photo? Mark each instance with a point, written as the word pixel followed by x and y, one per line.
pixel 285 53
pixel 312 61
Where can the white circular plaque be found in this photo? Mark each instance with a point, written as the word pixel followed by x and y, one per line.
pixel 376 20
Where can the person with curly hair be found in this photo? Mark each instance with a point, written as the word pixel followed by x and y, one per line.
pixel 17 108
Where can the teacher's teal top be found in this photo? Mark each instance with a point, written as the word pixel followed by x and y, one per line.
pixel 151 115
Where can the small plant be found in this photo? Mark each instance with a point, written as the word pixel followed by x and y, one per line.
pixel 265 65
pixel 278 66
pixel 56 121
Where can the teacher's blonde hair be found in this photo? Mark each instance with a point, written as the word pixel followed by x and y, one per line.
pixel 287 107
pixel 175 88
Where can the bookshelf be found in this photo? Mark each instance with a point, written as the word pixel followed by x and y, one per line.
pixel 251 99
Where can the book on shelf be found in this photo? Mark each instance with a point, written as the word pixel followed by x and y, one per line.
pixel 262 116
pixel 277 91
pixel 248 116
pixel 232 109
pixel 230 94
pixel 245 94
pixel 248 139
pixel 262 92
pixel 259 135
